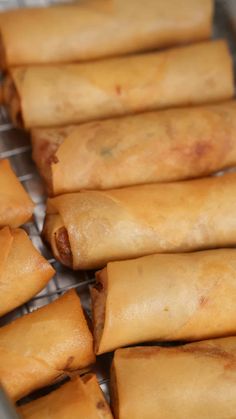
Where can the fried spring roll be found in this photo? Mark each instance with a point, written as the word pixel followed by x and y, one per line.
pixel 152 147
pixel 23 271
pixel 43 346
pixel 42 96
pixel 101 28
pixel 194 381
pixel 16 207
pixel 89 229
pixel 80 398
pixel 191 294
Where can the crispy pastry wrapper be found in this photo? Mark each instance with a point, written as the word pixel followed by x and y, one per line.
pixel 151 147
pixel 165 297
pixel 80 398
pixel 191 381
pixel 44 96
pixel 43 346
pixel 95 29
pixel 23 270
pixel 16 207
pixel 89 229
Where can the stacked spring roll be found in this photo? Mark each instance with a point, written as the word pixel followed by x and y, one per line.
pixel 43 96
pixel 88 229
pixel 165 297
pixel 162 146
pixel 99 28
pixel 194 381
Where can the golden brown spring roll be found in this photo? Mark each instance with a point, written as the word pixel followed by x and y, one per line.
pixel 16 207
pixel 152 147
pixel 80 398
pixel 43 346
pixel 89 229
pixel 194 381
pixel 101 28
pixel 42 96
pixel 23 271
pixel 185 296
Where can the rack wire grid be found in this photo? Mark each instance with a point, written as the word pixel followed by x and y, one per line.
pixel 15 146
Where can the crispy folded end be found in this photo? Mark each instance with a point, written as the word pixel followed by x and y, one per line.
pixel 54 341
pixel 11 99
pixel 16 206
pixel 21 375
pixel 23 270
pixel 79 398
pixel 95 393
pixel 45 143
pixel 114 391
pixel 56 235
pixel 98 296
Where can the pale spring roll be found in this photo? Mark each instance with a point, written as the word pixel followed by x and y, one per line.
pixel 42 96
pixel 40 347
pixel 151 147
pixel 89 229
pixel 16 207
pixel 94 29
pixel 80 398
pixel 23 271
pixel 185 296
pixel 194 381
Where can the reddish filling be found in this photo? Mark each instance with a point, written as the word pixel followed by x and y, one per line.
pixel 63 246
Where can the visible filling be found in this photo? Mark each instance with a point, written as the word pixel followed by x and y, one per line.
pixel 99 296
pixel 55 233
pixel 12 101
pixel 63 246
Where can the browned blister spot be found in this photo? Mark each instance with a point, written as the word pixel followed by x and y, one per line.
pixel 201 149
pixel 203 300
pixel 198 350
pixel 98 286
pixel 230 365
pixel 143 352
pixel 210 351
pixel 47 151
pixel 118 89
pixel 69 362
pixel 53 159
pixel 101 405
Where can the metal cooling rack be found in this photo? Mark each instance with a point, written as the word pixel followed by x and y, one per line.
pixel 15 146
